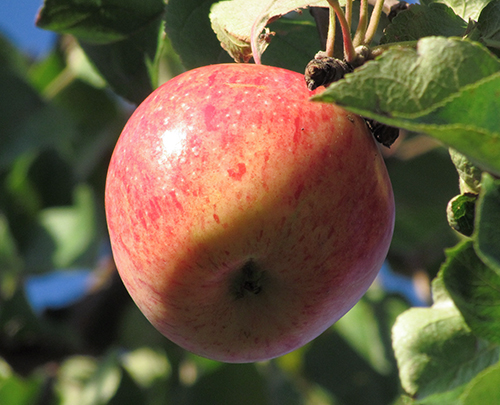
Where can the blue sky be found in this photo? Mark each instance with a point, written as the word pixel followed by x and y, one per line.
pixel 17 23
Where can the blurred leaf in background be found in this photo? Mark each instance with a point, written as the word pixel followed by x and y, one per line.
pixel 60 116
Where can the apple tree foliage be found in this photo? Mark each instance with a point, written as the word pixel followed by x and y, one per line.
pixel 437 78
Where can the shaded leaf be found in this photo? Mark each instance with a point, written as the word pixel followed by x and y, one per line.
pixel 447 88
pixel 10 57
pixel 10 261
pixel 231 384
pixel 420 21
pixel 361 328
pixel 487 237
pixel 488 24
pixel 27 122
pixel 294 44
pixel 341 372
pixel 98 21
pixel 119 37
pixel 475 289
pixel 129 65
pixel 421 231
pixel 188 27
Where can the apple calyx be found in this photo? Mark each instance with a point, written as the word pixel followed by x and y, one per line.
pixel 249 280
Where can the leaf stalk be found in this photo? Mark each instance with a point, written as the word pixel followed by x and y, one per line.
pixel 349 52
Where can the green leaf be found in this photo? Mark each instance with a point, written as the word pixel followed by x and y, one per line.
pixel 236 22
pixel 475 289
pixel 361 328
pixel 420 21
pixel 98 21
pixel 487 237
pixel 443 398
pixel 464 8
pixel 447 88
pixel 461 212
pixel 15 390
pixel 188 27
pixel 436 350
pixel 483 389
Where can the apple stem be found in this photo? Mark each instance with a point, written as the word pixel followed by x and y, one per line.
pixel 349 52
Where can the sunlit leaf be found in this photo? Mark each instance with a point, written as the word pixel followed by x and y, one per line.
pixel 475 289
pixel 483 389
pixel 464 8
pixel 435 349
pixel 72 229
pixel 447 88
pixel 15 390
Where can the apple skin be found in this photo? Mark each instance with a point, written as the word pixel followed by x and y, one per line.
pixel 245 219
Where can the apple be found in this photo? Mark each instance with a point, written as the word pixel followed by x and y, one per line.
pixel 244 218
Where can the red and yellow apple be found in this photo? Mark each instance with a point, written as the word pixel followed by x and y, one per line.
pixel 244 218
